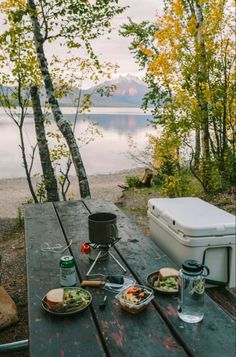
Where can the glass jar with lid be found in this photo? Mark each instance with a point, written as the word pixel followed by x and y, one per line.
pixel 191 291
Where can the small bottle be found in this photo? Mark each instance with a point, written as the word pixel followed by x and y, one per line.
pixel 67 271
pixel 191 291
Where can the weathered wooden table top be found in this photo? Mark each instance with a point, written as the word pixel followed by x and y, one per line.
pixel 157 331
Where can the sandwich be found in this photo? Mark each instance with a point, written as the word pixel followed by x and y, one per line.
pixel 167 280
pixel 166 273
pixel 55 299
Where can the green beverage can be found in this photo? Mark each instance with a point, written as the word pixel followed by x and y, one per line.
pixel 67 271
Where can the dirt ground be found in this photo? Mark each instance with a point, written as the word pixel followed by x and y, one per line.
pixel 13 279
pixel 12 254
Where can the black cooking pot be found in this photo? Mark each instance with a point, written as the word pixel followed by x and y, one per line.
pixel 102 228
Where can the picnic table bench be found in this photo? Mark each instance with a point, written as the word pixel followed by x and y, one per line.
pixel 157 331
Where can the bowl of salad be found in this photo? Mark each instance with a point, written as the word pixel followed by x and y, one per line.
pixel 168 285
pixel 135 298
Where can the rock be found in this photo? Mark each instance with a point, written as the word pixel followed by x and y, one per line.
pixel 8 309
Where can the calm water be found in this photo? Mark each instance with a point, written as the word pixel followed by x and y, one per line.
pixel 109 153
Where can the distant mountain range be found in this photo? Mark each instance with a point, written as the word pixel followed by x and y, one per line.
pixel 129 93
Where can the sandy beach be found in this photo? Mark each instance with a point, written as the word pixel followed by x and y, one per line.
pixel 14 192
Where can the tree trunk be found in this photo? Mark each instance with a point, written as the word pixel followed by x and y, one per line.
pixel 50 181
pixel 25 163
pixel 20 125
pixel 224 145
pixel 62 124
pixel 146 178
pixel 202 101
pixel 197 151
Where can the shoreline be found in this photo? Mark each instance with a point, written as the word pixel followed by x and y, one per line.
pixel 14 191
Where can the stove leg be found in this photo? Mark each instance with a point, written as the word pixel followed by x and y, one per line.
pixel 95 261
pixel 117 261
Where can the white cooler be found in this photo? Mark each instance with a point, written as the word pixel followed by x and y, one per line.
pixel 190 228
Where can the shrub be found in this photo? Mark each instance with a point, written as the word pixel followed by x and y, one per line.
pixel 177 185
pixel 132 181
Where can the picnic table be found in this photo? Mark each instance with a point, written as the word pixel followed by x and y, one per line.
pixel 156 331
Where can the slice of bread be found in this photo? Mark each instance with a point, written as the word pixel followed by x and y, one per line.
pixel 165 273
pixel 55 298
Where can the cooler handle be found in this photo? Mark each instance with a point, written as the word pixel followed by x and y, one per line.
pixel 216 282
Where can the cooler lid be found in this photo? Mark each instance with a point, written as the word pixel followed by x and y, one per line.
pixel 193 216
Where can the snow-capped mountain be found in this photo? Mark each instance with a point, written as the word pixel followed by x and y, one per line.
pixel 129 93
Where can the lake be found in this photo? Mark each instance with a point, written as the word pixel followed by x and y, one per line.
pixel 106 154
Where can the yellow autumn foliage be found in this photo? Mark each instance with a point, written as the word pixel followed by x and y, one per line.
pixel 15 4
pixel 162 66
pixel 170 29
pixel 182 96
pixel 191 28
pixel 178 8
pixel 145 50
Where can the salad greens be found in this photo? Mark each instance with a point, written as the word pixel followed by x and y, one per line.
pixel 168 284
pixel 75 298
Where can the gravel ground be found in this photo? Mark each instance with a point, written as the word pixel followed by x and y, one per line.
pixel 14 192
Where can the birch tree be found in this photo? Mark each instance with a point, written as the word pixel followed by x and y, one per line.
pixel 68 76
pixel 49 179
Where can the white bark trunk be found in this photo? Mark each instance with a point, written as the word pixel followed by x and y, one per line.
pixel 62 124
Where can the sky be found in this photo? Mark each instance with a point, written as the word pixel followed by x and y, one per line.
pixel 116 49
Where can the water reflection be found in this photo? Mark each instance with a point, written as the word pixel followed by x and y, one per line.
pixel 121 123
pixel 109 153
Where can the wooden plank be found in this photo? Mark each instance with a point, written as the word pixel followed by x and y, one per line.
pixel 216 333
pixel 50 335
pixel 124 334
pixel 225 298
